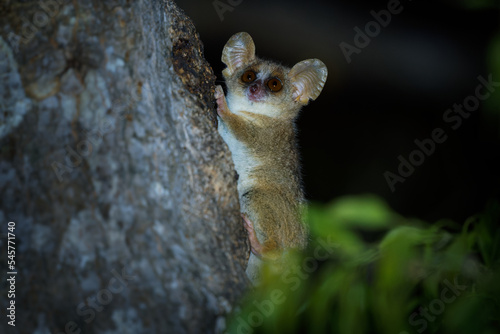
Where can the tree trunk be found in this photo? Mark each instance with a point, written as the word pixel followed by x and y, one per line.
pixel 121 192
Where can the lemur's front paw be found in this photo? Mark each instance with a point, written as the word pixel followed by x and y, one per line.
pixel 221 100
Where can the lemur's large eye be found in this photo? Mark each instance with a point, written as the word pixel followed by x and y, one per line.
pixel 248 76
pixel 274 84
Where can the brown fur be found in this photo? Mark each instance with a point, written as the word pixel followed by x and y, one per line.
pixel 274 204
pixel 274 201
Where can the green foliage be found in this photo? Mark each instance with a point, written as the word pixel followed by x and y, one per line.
pixel 369 270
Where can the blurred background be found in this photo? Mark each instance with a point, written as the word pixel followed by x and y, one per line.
pixel 393 91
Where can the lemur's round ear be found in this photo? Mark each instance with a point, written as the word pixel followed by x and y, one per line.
pixel 308 78
pixel 239 50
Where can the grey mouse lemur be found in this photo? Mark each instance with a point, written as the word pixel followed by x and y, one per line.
pixel 257 122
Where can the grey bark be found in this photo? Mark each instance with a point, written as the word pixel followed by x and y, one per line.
pixel 123 194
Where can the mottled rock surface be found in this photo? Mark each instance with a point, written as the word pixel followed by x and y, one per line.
pixel 123 193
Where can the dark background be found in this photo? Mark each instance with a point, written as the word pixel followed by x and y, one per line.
pixel 395 91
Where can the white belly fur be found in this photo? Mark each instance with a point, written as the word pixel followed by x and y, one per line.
pixel 243 161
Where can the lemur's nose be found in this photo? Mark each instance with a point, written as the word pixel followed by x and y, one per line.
pixel 254 89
